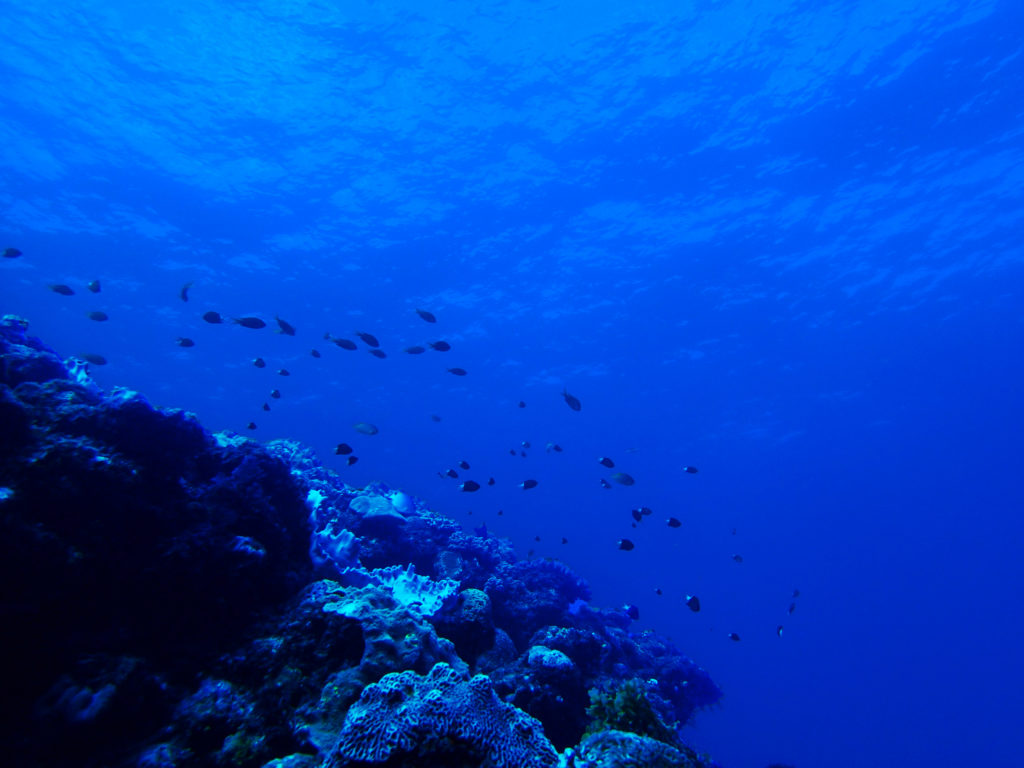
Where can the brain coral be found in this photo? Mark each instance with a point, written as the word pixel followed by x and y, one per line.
pixel 409 720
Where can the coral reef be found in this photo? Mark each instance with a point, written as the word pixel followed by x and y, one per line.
pixel 175 598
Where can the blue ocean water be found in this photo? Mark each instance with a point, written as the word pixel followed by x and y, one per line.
pixel 778 241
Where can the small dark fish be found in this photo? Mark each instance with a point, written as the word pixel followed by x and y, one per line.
pixel 213 317
pixel 571 401
pixel 364 428
pixel 645 511
pixel 94 286
pixel 565 540
pixel 605 483
pixel 693 603
pixel 657 591
pixel 276 394
pixel 251 425
pixel 469 486
pixel 623 479
pixel 314 353
pixel 378 353
pixel 632 611
pixel 501 512
pixel 537 538
pixel 342 449
pixel 249 322
pixel 11 253
pixel 440 346
pixel 183 341
pixel 796 593
pixel 522 404
pixel 285 327
pixel 512 451
pixel 368 338
pixel 428 316
pixel 738 558
pixel 283 372
pixel 553 447
pixel 463 465
pixel 449 473
pixel 259 362
pixel 183 293
pixel 528 484
pixel 63 290
pixel 99 317
pixel 674 522
pixel 604 461
pixel 434 417
pixel 792 607
pixel 778 630
pixel 490 481
pixel 351 460
pixel 690 470
pixel 636 515
pixel 266 406
pixel 734 637
pixel 414 350
pixel 343 343
pixel 457 371
pixel 89 357
pixel 733 531
pixel 626 545
pixel 523 454
pixel 525 444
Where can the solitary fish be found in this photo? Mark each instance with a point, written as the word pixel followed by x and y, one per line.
pixel 522 404
pixel 314 353
pixel 415 350
pixel 428 316
pixel 344 343
pixel 553 447
pixel 734 637
pixel 378 353
pixel 674 522
pixel 778 630
pixel 571 401
pixel 528 484
pixel 626 545
pixel 364 428
pixel 448 473
pixel 342 449
pixel 183 293
pixel 463 464
pixel 792 607
pixel 94 286
pixel 469 486
pixel 623 478
pixel 690 470
pixel 259 362
pixel 185 342
pixel 285 327
pixel 636 515
pixel 605 483
pixel 490 481
pixel 11 253
pixel 98 316
pixel 738 558
pixel 95 359
pixel 63 290
pixel 604 461
pixel 368 338
pixel 251 425
pixel 440 346
pixel 283 372
pixel 796 593
pixel 457 371
pixel 276 394
pixel 266 406
pixel 693 603
pixel 352 460
pixel 213 317
pixel 249 322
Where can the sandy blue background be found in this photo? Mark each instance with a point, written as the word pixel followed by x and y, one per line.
pixel 780 241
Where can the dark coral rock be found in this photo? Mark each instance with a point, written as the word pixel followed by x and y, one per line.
pixel 619 749
pixel 439 719
pixel 469 624
pixel 553 693
pixel 532 594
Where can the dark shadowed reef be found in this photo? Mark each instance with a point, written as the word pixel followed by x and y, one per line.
pixel 172 597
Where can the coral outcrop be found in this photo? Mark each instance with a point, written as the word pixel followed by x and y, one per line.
pixel 175 598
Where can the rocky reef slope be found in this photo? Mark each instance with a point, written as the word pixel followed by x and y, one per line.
pixel 171 598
